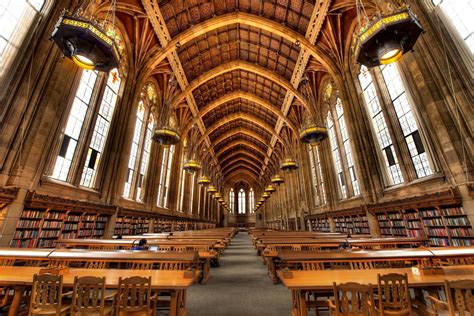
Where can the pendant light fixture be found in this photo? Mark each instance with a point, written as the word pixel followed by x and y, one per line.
pixel 270 189
pixel 165 132
pixel 192 164
pixel 313 131
pixel 85 41
pixel 277 179
pixel 289 163
pixel 204 180
pixel 385 37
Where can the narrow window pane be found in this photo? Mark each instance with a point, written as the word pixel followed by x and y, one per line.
pixel 406 119
pixel 74 125
pixel 460 13
pixel 231 200
pixel 241 201
pixel 347 146
pixel 380 127
pixel 134 149
pixel 314 176
pixel 336 156
pixel 145 156
pixel 101 129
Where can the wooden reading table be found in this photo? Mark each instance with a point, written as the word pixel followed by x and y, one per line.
pixel 301 282
pixel 177 282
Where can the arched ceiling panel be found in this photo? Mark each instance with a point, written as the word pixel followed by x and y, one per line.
pixel 180 15
pixel 235 125
pixel 240 138
pixel 239 80
pixel 242 150
pixel 240 105
pixel 238 42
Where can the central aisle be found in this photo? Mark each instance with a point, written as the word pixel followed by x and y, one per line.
pixel 240 286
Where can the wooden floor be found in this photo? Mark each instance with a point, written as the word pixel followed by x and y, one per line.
pixel 240 286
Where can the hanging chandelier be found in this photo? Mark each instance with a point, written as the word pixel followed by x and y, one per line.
pixel 217 195
pixel 270 189
pixel 289 164
pixel 277 179
pixel 266 195
pixel 385 38
pixel 204 180
pixel 165 132
pixel 192 165
pixel 86 42
pixel 212 189
pixel 312 130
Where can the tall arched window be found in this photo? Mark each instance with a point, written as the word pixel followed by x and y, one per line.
pixel 101 129
pixel 380 128
pixel 241 201
pixel 392 118
pixel 165 175
pixel 232 200
pixel 336 155
pixel 316 176
pixel 79 154
pixel 251 200
pixel 16 19
pixel 340 145
pixel 140 147
pixel 74 125
pixel 458 14
pixel 406 120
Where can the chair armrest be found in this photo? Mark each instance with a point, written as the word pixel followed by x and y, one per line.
pixel 331 304
pixel 67 293
pixel 110 296
pixel 437 303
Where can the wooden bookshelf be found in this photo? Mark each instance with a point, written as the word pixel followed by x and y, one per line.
pixel 319 222
pixel 40 227
pixel 438 217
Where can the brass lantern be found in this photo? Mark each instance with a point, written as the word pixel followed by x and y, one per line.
pixel 204 180
pixel 270 189
pixel 277 180
pixel 165 132
pixel 387 37
pixel 192 166
pixel 266 195
pixel 288 165
pixel 212 189
pixel 86 43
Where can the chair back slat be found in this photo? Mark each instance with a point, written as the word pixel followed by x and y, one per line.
pixel 133 295
pixel 88 295
pixel 394 296
pixel 46 293
pixel 354 299
pixel 460 296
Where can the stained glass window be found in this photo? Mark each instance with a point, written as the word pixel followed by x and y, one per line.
pixel 231 200
pixel 251 200
pixel 460 13
pixel 336 155
pixel 241 201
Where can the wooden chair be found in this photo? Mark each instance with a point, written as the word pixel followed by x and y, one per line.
pixel 361 265
pixel 460 296
pixel 352 299
pixel 88 297
pixel 393 295
pixel 96 265
pixel 47 295
pixel 134 297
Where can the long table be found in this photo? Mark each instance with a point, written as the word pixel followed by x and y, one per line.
pixel 203 258
pixel 177 282
pixel 301 282
pixel 430 255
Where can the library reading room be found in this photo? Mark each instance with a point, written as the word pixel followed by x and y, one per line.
pixel 236 157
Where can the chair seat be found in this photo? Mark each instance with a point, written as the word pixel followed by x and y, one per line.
pixel 138 313
pixel 42 311
pixel 446 313
pixel 108 310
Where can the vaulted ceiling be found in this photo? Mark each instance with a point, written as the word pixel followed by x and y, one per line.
pixel 239 64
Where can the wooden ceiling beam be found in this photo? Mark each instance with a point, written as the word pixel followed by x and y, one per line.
pixel 241 165
pixel 242 65
pixel 240 130
pixel 241 159
pixel 244 153
pixel 238 142
pixel 240 95
pixel 244 116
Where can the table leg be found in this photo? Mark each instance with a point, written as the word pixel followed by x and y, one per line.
pixel 272 270
pixel 174 302
pixel 301 296
pixel 17 298
pixel 205 271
